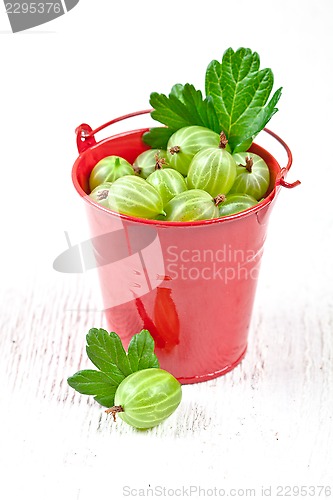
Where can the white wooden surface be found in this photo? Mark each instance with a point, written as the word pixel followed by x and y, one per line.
pixel 266 423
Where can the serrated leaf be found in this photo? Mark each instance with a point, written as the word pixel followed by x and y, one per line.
pixel 183 107
pixel 259 122
pixel 94 383
pixel 236 102
pixel 201 111
pixel 107 353
pixel 157 137
pixel 91 382
pixel 169 110
pixel 141 352
pixel 240 91
pixel 106 399
pixel 177 91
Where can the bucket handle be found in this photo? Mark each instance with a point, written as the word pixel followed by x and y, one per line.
pixel 85 134
pixel 85 138
pixel 280 178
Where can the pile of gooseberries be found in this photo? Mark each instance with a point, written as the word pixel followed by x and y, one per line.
pixel 195 178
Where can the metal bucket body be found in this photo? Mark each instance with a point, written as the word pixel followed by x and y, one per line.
pixel 192 285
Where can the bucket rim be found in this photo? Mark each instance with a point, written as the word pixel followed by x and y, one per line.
pixel 86 141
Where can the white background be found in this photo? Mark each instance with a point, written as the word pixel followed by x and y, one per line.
pixel 102 60
pixel 96 63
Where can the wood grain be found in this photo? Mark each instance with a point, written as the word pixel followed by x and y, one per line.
pixel 269 421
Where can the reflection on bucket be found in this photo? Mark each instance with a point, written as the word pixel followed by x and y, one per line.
pixel 125 256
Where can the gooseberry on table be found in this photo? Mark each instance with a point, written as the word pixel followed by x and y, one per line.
pixel 146 398
pixel 131 383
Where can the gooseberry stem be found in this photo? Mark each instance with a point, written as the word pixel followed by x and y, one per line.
pixel 174 149
pixel 223 140
pixel 160 162
pixel 248 164
pixel 114 410
pixel 220 198
pixel 137 170
pixel 102 195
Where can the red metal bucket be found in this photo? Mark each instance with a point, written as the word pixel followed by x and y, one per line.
pixel 191 284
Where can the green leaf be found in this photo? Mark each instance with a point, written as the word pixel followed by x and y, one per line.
pixel 93 383
pixel 157 137
pixel 183 107
pixel 200 112
pixel 237 102
pixel 141 352
pixel 177 91
pixel 239 91
pixel 106 399
pixel 106 351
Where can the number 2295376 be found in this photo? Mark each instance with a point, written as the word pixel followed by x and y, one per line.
pixel 303 491
pixel 33 8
